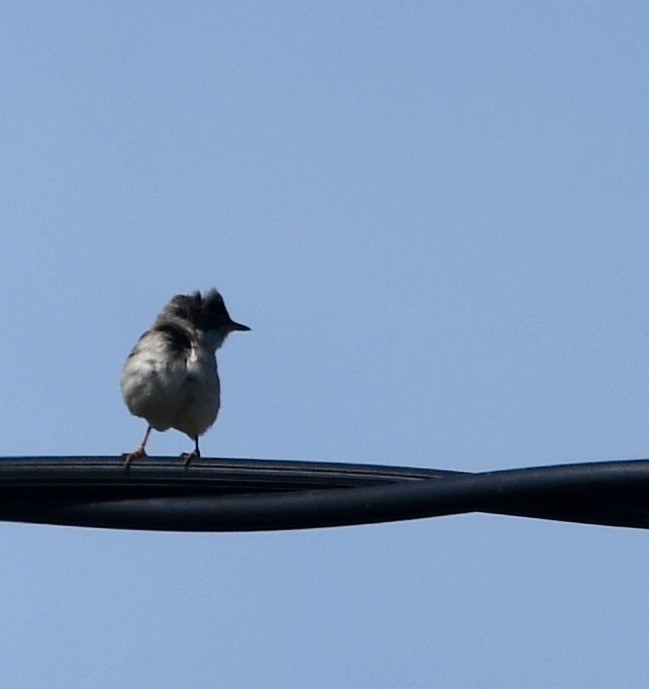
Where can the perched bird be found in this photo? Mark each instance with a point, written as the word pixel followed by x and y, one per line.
pixel 170 378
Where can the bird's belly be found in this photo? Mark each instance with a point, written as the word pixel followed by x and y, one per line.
pixel 201 407
pixel 183 395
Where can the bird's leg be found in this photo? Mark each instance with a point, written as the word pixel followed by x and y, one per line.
pixel 129 457
pixel 188 457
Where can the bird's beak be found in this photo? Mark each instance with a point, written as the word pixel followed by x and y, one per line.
pixel 238 326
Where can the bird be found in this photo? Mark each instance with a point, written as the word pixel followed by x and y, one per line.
pixel 171 378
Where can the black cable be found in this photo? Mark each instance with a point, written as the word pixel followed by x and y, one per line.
pixel 248 495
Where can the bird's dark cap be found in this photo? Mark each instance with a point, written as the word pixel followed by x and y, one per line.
pixel 204 311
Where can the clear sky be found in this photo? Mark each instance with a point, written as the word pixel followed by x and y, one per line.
pixel 435 218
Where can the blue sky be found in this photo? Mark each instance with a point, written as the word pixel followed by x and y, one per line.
pixel 434 217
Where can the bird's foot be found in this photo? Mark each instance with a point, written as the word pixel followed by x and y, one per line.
pixel 189 457
pixel 129 457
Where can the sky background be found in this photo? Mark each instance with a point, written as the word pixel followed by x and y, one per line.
pixel 435 218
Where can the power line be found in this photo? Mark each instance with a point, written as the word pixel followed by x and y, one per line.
pixel 261 495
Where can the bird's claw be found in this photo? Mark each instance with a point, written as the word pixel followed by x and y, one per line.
pixel 129 457
pixel 189 457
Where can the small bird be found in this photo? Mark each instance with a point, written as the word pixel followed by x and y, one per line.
pixel 170 378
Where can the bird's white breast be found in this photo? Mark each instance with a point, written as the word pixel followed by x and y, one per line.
pixel 171 391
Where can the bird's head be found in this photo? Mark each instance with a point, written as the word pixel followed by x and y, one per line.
pixel 207 314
